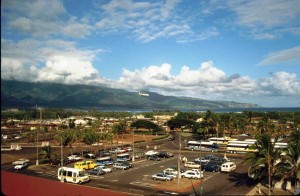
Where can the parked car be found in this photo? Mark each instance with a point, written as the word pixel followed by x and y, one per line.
pixel 74 158
pixel 165 155
pixel 191 165
pixel 200 163
pixel 90 156
pixel 161 176
pixel 207 158
pixel 219 159
pixel 151 152
pixel 116 150
pixel 228 167
pixel 104 168
pixel 171 170
pixel 129 148
pixel 103 153
pixel 170 174
pixel 181 169
pixel 120 165
pixel 139 155
pixel 97 144
pixel 128 164
pixel 211 166
pixel 97 171
pixel 20 161
pixel 21 166
pixel 192 174
pixel 153 157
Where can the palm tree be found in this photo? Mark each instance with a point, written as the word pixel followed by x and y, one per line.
pixel 226 121
pixel 118 129
pixel 264 159
pixel 292 157
pixel 90 136
pixel 47 152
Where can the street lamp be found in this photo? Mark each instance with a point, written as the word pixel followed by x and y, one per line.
pixel 37 138
pixel 133 158
pixel 179 159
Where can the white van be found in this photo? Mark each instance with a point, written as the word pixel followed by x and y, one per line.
pixel 73 175
pixel 228 167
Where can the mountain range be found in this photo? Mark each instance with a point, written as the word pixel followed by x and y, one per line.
pixel 54 95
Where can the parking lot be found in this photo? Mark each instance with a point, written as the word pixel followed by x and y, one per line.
pixel 137 178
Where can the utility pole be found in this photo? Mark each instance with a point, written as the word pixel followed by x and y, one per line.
pixel 179 159
pixel 133 158
pixel 200 159
pixel 37 138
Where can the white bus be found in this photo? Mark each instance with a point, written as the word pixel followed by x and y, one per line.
pixel 235 147
pixel 104 161
pixel 221 140
pixel 123 157
pixel 280 145
pixel 68 174
pixel 203 146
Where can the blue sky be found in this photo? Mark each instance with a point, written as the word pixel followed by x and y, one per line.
pixel 235 50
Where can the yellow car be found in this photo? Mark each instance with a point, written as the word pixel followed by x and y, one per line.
pixel 85 165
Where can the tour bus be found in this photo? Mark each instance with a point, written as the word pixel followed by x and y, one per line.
pixel 123 157
pixel 239 148
pixel 104 161
pixel 68 174
pixel 203 146
pixel 221 140
pixel 280 145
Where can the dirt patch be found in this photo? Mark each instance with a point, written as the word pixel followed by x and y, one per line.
pixel 184 185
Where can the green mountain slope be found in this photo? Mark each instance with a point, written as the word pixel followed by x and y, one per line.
pixel 25 94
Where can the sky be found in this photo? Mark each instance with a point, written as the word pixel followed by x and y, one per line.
pixel 229 50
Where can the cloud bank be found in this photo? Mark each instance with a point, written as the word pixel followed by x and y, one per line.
pixel 61 62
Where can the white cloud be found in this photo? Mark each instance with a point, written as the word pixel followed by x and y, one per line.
pixel 207 81
pixel 52 61
pixel 267 19
pixel 280 83
pixel 267 13
pixel 290 55
pixel 150 21
pixel 67 69
pixel 44 18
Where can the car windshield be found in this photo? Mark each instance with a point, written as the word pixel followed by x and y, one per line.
pixel 81 174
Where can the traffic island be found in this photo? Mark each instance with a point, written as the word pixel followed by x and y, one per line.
pixel 183 186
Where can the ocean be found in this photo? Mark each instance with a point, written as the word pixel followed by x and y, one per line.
pixel 224 110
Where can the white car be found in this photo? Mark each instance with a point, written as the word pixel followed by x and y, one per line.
pixel 129 148
pixel 20 161
pixel 228 167
pixel 161 176
pixel 117 151
pixel 104 168
pixel 74 158
pixel 170 171
pixel 151 152
pixel 21 166
pixel 192 165
pixel 97 144
pixel 192 174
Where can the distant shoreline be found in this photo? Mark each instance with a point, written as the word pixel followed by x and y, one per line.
pixel 223 110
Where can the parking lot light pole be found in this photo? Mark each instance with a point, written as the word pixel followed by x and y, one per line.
pixel 37 138
pixel 179 159
pixel 133 158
